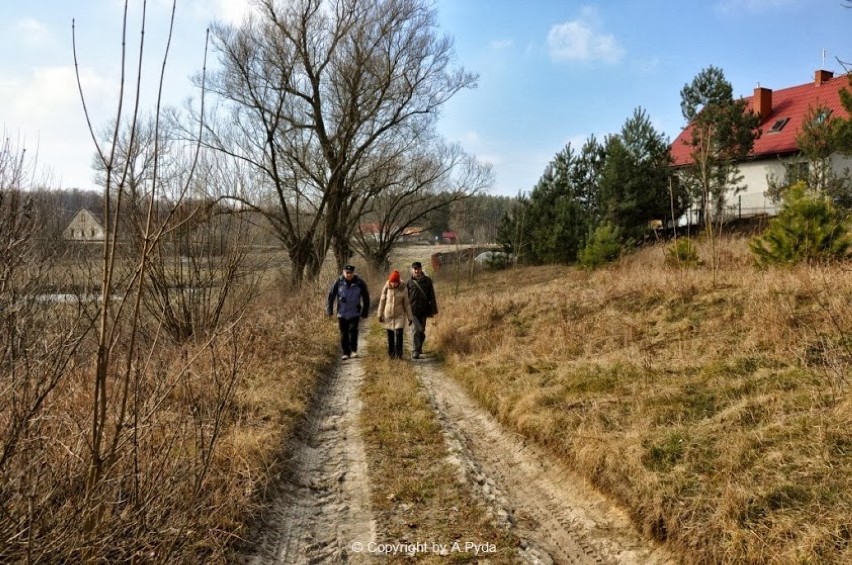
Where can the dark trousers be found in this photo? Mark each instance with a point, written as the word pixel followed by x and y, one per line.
pixel 418 333
pixel 348 334
pixel 395 343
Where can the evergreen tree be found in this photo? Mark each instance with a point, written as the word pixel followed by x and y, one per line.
pixel 564 205
pixel 721 133
pixel 514 233
pixel 809 228
pixel 820 137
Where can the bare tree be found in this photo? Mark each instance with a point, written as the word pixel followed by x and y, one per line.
pixel 433 178
pixel 39 340
pixel 318 90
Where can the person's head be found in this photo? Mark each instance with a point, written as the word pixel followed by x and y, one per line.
pixel 393 279
pixel 416 269
pixel 348 272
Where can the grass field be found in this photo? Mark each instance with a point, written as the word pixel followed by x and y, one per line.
pixel 718 414
pixel 717 411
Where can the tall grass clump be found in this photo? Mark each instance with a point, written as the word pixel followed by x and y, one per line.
pixel 682 253
pixel 187 481
pixel 716 412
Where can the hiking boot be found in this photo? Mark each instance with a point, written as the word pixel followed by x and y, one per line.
pixel 415 355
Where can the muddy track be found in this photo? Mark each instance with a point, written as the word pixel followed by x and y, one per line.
pixel 558 516
pixel 322 505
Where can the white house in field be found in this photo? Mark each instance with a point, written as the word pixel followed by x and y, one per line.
pixel 84 226
pixel 775 153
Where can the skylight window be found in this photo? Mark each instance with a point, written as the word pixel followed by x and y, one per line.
pixel 778 125
pixel 822 116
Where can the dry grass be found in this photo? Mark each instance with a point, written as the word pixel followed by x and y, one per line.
pixel 417 493
pixel 719 415
pixel 178 496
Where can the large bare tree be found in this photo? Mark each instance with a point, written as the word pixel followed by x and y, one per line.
pixel 321 97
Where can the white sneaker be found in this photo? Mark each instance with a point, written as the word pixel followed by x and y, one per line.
pixel 354 354
pixel 344 357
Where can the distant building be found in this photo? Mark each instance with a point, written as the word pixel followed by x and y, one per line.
pixel 449 237
pixel 776 153
pixel 84 226
pixel 415 234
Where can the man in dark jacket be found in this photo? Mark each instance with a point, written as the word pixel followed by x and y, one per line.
pixel 421 294
pixel 353 303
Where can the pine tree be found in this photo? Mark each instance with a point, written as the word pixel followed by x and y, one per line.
pixel 809 228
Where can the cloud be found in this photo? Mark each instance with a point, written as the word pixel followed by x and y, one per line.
pixel 754 6
pixel 498 44
pixel 32 33
pixel 471 137
pixel 228 11
pixel 43 108
pixel 581 40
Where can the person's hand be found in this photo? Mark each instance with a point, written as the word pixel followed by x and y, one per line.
pixel 381 319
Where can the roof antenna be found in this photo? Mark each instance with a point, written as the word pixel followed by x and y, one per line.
pixel 823 60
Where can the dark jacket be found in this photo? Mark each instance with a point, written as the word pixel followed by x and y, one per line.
pixel 353 298
pixel 421 294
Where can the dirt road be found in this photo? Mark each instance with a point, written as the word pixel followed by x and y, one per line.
pixel 559 518
pixel 322 507
pixel 322 513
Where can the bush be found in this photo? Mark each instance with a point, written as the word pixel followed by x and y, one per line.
pixel 682 253
pixel 604 247
pixel 809 228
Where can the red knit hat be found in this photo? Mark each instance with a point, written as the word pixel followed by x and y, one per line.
pixel 394 277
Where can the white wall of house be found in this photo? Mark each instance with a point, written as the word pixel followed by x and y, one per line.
pixel 756 175
pixel 840 163
pixel 84 227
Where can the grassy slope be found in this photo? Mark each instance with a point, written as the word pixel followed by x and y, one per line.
pixel 719 415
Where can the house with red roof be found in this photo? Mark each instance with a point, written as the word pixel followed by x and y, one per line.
pixel 775 153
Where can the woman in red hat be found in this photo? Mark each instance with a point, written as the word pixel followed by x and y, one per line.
pixel 394 313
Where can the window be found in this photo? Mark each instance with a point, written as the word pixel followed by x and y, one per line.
pixel 778 125
pixel 796 172
pixel 822 116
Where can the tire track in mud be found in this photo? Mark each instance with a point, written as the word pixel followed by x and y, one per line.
pixel 322 502
pixel 557 515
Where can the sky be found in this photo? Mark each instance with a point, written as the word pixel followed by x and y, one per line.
pixel 551 72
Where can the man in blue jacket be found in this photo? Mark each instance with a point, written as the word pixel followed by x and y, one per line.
pixel 353 303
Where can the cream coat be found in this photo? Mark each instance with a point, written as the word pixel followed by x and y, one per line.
pixel 394 307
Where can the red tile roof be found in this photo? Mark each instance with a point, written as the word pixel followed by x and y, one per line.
pixel 792 103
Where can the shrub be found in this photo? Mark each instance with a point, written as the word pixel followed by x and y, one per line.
pixel 604 246
pixel 682 253
pixel 808 228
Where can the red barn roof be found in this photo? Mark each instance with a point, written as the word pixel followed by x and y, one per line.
pixel 782 114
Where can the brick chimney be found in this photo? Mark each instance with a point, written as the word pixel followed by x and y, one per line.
pixel 822 76
pixel 762 102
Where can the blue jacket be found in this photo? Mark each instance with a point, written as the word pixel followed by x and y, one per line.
pixel 353 298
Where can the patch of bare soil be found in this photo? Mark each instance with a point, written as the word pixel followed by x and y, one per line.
pixel 557 515
pixel 321 508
